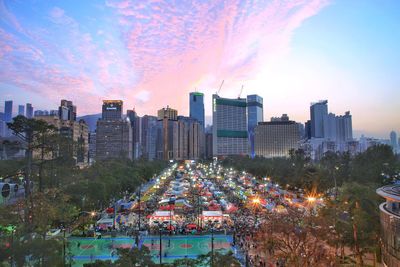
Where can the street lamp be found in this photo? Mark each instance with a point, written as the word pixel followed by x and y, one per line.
pixel 63 229
pixel 212 242
pixel 160 232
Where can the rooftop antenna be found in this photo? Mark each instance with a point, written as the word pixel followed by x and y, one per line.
pixel 220 87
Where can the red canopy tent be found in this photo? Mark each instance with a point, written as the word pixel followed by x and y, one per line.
pixel 167 207
pixel 110 210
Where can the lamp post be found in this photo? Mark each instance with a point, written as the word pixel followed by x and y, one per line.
pixel 160 232
pixel 212 242
pixel 140 208
pixel 63 229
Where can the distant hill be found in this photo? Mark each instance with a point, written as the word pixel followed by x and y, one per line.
pixel 91 120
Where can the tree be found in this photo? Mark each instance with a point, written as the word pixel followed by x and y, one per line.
pixel 30 131
pixel 185 263
pixel 99 263
pixel 295 237
pixel 134 257
pixel 219 259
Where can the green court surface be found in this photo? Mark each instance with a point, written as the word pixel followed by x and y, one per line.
pixel 85 250
pixel 176 247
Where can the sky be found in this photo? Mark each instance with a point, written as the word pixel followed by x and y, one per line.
pixel 151 54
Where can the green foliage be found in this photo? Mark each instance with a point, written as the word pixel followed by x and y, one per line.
pixel 108 179
pixel 134 257
pixel 33 249
pixel 219 259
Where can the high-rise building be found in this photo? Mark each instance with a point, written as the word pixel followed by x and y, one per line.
pixel 255 114
pixel 114 134
pixel 67 111
pixel 307 130
pixel 21 110
pixel 78 131
pixel 276 137
pixel 330 125
pixel 8 107
pixel 29 110
pixel 168 113
pixel 209 146
pixel 151 129
pixel 393 141
pixel 112 110
pixel 230 135
pixel 344 128
pixel 318 114
pixel 135 121
pixel 3 125
pixel 190 133
pixel 168 118
pixel 196 106
pixel 92 146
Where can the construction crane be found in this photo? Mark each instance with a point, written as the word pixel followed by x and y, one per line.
pixel 220 87
pixel 241 90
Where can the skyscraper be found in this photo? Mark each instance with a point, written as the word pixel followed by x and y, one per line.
pixel 196 105
pixel 168 113
pixel 344 128
pixel 393 141
pixel 21 110
pixel 8 106
pixel 255 114
pixel 330 127
pixel 113 134
pixel 318 114
pixel 150 130
pixel 276 137
pixel 112 109
pixel 168 117
pixel 67 111
pixel 135 121
pixel 29 110
pixel 230 135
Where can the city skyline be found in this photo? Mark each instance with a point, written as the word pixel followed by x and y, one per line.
pixel 291 54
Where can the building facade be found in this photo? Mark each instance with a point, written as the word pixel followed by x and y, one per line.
pixel 276 138
pixel 318 115
pixel 255 114
pixel 29 110
pixel 393 141
pixel 168 113
pixel 136 124
pixel 112 110
pixel 78 131
pixel 230 136
pixel 67 111
pixel 21 110
pixel 150 131
pixel 113 133
pixel 8 109
pixel 196 107
pixel 390 224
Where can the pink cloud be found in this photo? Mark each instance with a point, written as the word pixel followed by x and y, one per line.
pixel 165 50
pixel 224 40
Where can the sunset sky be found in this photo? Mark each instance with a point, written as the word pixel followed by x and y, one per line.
pixel 153 53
